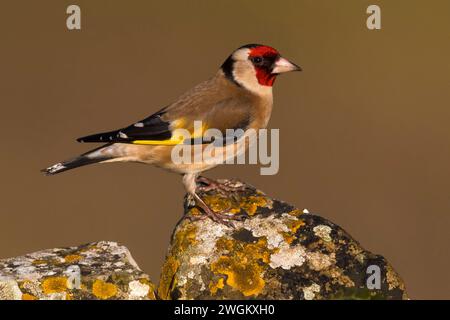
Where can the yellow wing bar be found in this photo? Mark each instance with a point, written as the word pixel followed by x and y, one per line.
pixel 169 142
pixel 176 138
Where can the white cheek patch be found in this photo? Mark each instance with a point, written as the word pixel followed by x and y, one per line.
pixel 241 54
pixel 245 74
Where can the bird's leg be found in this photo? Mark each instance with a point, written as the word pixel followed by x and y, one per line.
pixel 189 181
pixel 218 217
pixel 207 184
pixel 221 216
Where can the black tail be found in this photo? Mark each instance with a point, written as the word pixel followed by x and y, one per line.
pixel 93 156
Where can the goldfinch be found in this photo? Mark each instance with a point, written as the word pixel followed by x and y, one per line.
pixel 239 96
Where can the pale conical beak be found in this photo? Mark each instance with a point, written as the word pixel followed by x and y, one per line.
pixel 283 65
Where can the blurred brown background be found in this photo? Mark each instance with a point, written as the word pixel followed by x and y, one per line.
pixel 364 130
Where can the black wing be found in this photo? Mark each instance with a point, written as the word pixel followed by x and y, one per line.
pixel 151 128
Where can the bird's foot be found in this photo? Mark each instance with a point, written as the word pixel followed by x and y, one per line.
pixel 224 188
pixel 223 218
pixel 220 217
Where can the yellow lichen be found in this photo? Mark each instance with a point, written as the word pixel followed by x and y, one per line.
pixel 46 261
pixel 195 212
pixel 88 248
pixel 295 212
pixel 104 290
pixel 245 279
pixel 27 296
pixel 393 279
pixel 24 284
pixel 219 204
pixel 251 204
pixel 167 281
pixel 243 264
pixel 294 225
pixel 233 206
pixel 288 237
pixel 54 285
pixel 184 238
pixel 214 286
pixel 72 258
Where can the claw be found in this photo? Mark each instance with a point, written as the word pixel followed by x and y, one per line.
pixel 219 217
pixel 204 184
pixel 222 188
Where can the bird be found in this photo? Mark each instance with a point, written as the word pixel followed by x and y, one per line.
pixel 239 97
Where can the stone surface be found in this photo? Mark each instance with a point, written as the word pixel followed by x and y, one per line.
pixel 100 270
pixel 277 252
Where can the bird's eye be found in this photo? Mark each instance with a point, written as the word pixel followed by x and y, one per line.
pixel 257 60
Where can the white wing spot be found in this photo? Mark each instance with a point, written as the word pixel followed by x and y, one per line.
pixel 56 167
pixel 139 124
pixel 123 135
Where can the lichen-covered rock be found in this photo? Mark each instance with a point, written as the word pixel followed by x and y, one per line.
pixel 99 270
pixel 276 252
